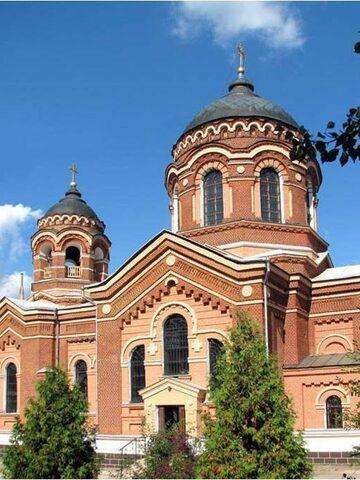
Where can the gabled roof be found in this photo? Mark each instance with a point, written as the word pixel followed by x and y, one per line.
pixel 226 258
pixel 175 383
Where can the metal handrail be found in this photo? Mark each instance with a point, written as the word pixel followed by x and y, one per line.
pixel 132 456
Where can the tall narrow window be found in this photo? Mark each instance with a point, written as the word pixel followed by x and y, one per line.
pixel 81 376
pixel 270 195
pixel 176 349
pixel 310 203
pixel 137 373
pixel 11 389
pixel 215 347
pixel 213 198
pixel 334 416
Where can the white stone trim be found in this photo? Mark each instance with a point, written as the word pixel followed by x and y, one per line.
pixel 334 440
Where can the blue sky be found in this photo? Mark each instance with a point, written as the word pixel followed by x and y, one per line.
pixel 110 86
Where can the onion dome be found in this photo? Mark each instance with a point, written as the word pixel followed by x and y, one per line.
pixel 241 101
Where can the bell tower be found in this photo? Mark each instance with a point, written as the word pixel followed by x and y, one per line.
pixel 69 249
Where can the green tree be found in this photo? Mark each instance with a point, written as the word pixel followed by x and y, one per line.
pixel 351 417
pixel 333 143
pixel 252 435
pixel 55 440
pixel 169 454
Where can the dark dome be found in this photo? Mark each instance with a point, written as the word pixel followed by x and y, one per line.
pixel 72 204
pixel 241 101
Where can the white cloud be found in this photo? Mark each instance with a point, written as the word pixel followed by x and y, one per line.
pixel 12 218
pixel 276 24
pixel 10 285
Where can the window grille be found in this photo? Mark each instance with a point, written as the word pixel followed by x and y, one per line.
pixel 137 373
pixel 213 198
pixel 215 347
pixel 176 349
pixel 270 195
pixel 81 376
pixel 334 415
pixel 11 389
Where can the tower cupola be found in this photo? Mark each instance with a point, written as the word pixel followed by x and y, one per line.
pixel 70 249
pixel 232 182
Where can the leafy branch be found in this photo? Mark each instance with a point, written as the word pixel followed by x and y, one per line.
pixel 332 144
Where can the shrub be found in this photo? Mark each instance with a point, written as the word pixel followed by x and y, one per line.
pixel 169 454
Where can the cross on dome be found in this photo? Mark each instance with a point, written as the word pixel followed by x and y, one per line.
pixel 241 51
pixel 74 171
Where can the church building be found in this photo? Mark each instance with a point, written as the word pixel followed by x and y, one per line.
pixel 142 342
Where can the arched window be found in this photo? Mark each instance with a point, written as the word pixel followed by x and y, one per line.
pixel 137 372
pixel 213 198
pixel 47 254
pixel 72 262
pixel 72 257
pixel 270 195
pixel 11 389
pixel 176 349
pixel 81 376
pixel 175 218
pixel 334 416
pixel 215 347
pixel 310 199
pixel 99 254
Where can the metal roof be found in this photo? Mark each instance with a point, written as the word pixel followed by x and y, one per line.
pixel 72 204
pixel 34 304
pixel 338 273
pixel 241 101
pixel 329 360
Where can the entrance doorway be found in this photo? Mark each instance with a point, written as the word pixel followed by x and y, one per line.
pixel 170 415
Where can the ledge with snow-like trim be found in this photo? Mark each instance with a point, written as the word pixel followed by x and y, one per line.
pixel 5 437
pixel 104 443
pixel 115 443
pixel 316 440
pixel 336 440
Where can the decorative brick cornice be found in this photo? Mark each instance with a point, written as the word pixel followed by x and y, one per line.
pixel 328 321
pixel 282 227
pixel 70 220
pixel 157 295
pixel 81 340
pixel 230 128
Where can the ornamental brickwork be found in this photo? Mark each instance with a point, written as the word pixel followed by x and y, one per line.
pixel 273 265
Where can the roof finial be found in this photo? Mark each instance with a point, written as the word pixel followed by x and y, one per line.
pixel 74 172
pixel 21 289
pixel 241 51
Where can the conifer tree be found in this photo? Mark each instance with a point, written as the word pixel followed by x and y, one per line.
pixel 54 441
pixel 252 435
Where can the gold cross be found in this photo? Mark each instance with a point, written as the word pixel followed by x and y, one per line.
pixel 74 172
